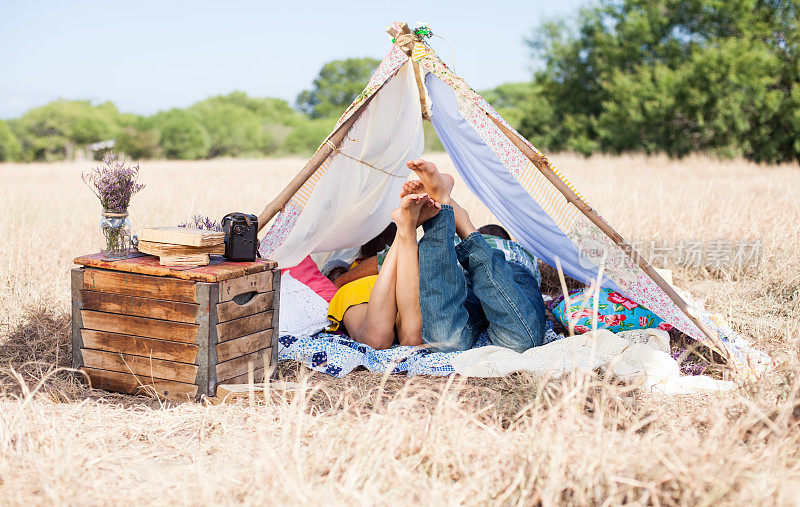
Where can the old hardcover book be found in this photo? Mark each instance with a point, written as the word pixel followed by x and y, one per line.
pixel 162 249
pixel 181 236
pixel 184 260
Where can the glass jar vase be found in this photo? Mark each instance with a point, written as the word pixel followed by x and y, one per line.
pixel 116 233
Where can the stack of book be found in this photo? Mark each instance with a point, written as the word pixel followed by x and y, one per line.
pixel 179 246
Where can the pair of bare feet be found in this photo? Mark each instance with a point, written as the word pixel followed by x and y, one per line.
pixel 422 199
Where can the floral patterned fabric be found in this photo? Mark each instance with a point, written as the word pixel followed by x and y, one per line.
pixel 615 312
pixel 337 355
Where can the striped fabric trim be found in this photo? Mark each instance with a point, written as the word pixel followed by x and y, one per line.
pixel 566 181
pixel 302 196
pixel 421 50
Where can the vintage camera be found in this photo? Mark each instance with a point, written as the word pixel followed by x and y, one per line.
pixel 241 243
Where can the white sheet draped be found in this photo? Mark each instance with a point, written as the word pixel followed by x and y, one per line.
pixel 633 362
pixel 353 202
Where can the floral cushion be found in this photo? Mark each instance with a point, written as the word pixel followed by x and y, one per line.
pixel 615 312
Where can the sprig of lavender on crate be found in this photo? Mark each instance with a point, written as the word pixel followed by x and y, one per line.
pixel 202 222
pixel 114 183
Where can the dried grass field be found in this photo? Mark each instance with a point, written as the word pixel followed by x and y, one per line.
pixel 369 439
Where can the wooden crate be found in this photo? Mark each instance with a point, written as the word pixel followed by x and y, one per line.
pixel 138 326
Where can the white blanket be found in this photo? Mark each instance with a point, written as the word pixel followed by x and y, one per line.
pixel 624 358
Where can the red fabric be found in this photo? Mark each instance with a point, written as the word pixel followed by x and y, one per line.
pixel 309 275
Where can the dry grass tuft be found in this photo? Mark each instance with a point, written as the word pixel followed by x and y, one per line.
pixel 41 337
pixel 583 439
pixel 33 348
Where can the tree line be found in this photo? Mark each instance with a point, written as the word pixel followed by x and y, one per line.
pixel 234 125
pixel 671 76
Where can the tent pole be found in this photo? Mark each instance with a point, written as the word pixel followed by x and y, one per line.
pixel 408 47
pixel 423 104
pixel 324 151
pixel 543 165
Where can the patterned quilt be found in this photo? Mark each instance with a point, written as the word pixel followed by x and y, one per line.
pixel 338 355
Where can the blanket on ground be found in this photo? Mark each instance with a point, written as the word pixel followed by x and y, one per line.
pixel 642 354
pixel 634 357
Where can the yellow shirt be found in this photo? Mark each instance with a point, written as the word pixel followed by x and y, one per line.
pixel 354 293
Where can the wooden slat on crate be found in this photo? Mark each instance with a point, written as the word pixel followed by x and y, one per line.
pixel 230 310
pixel 244 345
pixel 258 376
pixel 238 366
pixel 228 270
pixel 140 307
pixel 140 346
pixel 244 326
pixel 134 284
pixel 76 276
pixel 130 384
pixel 219 269
pixel 139 326
pixel 156 368
pixel 207 337
pixel 233 391
pixel 276 319
pixel 257 282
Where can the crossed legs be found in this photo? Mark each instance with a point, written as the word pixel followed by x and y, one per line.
pixel 393 309
pixel 511 304
pixel 438 308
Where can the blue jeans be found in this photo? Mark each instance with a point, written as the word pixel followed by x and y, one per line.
pixel 490 293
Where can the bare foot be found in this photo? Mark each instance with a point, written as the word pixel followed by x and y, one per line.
pixel 438 185
pixel 429 210
pixel 412 187
pixel 407 214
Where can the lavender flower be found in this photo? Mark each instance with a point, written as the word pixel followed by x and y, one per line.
pixel 114 183
pixel 688 365
pixel 202 222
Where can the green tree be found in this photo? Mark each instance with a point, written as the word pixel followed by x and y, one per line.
pixel 306 137
pixel 432 141
pixel 139 141
pixel 267 109
pixel 674 76
pixel 511 100
pixel 54 130
pixel 182 136
pixel 337 85
pixel 10 149
pixel 240 125
pixel 232 130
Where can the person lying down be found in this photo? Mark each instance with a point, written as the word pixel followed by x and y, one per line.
pixel 439 292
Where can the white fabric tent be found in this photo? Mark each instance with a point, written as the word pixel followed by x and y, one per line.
pixel 346 192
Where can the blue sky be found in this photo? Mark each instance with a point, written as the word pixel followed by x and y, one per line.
pixel 151 55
